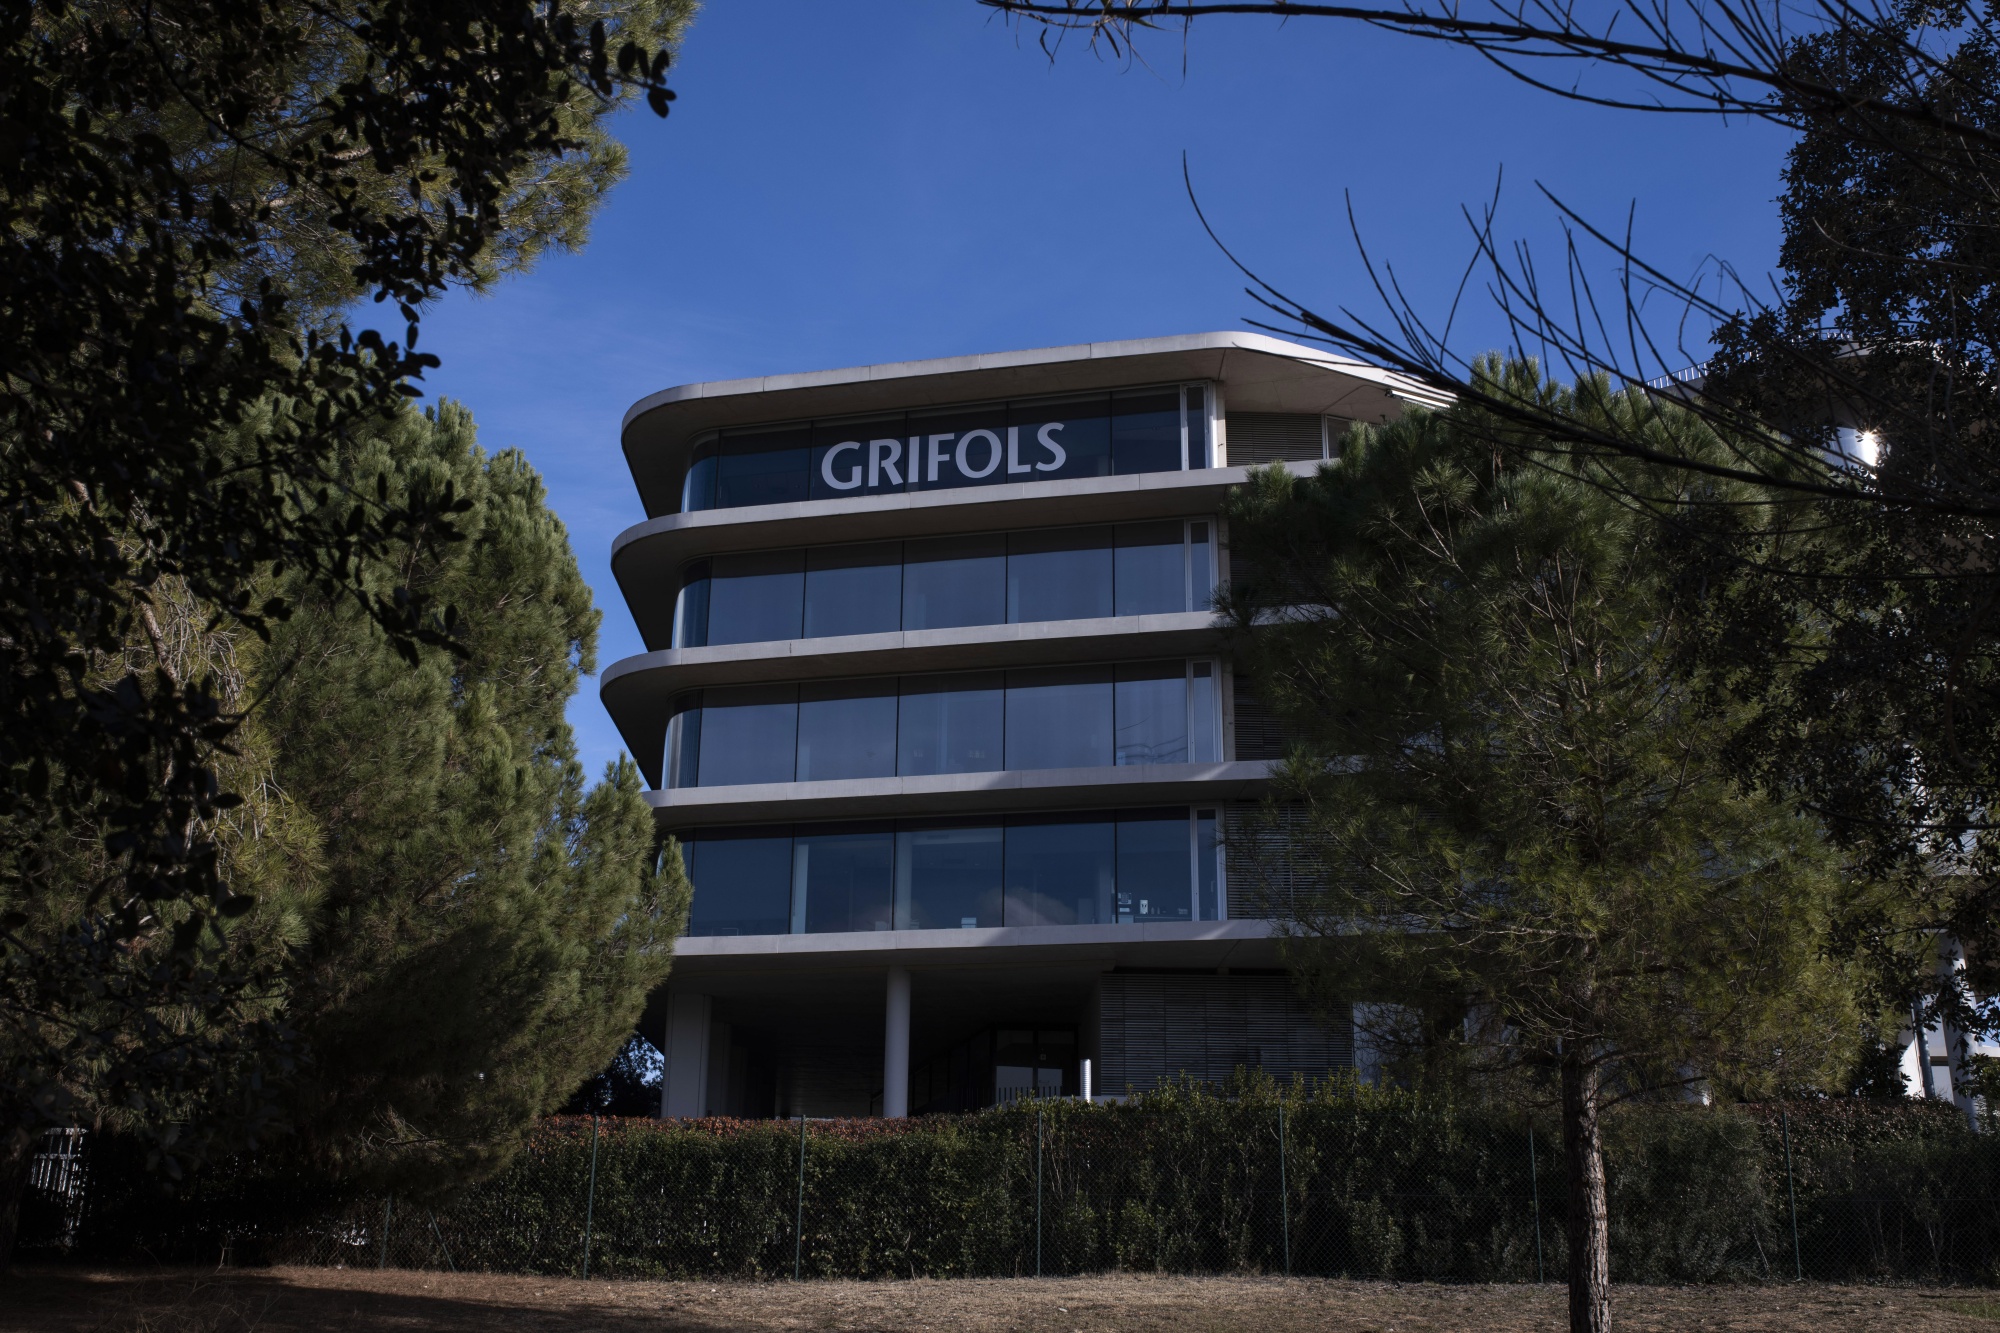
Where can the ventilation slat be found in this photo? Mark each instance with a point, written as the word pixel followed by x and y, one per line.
pixel 1256 438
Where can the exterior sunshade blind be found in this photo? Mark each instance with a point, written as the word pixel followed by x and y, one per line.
pixel 1256 438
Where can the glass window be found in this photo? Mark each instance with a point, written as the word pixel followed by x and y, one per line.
pixel 1204 726
pixel 859 458
pixel 1207 891
pixel 954 581
pixel 1153 880
pixel 1196 398
pixel 967 446
pixel 947 878
pixel 1063 437
pixel 1059 871
pixel 951 724
pixel 1201 567
pixel 1059 717
pixel 840 879
pixel 684 742
pixel 1059 574
pixel 854 589
pixel 1013 1064
pixel 847 730
pixel 756 598
pixel 765 467
pixel 1146 431
pixel 1151 713
pixel 698 486
pixel 742 883
pixel 748 734
pixel 691 607
pixel 1152 568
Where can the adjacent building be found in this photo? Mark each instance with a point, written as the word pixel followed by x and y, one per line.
pixel 932 700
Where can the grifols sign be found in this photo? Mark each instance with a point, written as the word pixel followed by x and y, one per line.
pixel 950 458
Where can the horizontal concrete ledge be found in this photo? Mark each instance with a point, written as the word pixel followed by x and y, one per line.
pixel 630 679
pixel 961 793
pixel 647 558
pixel 996 944
pixel 1258 371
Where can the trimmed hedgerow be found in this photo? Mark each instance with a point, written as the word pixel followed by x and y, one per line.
pixel 1369 1183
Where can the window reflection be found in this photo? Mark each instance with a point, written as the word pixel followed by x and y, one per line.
pixel 846 730
pixel 951 724
pixel 945 583
pixel 841 879
pixel 1064 574
pixel 762 467
pixel 959 722
pixel 947 877
pixel 1090 868
pixel 954 581
pixel 1059 717
pixel 756 598
pixel 748 734
pixel 853 589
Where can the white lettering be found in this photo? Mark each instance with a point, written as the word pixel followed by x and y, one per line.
pixel 826 466
pixel 882 456
pixel 964 453
pixel 1060 455
pixel 938 453
pixel 1014 463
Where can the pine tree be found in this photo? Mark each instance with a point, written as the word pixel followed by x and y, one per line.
pixel 487 928
pixel 1507 800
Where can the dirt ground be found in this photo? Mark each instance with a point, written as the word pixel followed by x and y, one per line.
pixel 294 1300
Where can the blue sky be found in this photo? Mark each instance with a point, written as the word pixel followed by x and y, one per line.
pixel 849 183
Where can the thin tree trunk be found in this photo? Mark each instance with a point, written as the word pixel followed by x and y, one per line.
pixel 1589 1221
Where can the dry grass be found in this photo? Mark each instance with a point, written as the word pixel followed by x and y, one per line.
pixel 294 1300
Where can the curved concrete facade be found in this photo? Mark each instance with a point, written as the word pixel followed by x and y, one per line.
pixel 935 863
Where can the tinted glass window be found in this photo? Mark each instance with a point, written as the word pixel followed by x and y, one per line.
pixel 764 468
pixel 840 879
pixel 742 885
pixel 1199 454
pixel 748 734
pixel 859 458
pixel 1153 865
pixel 1146 431
pixel 1063 437
pixel 1059 872
pixel 1059 717
pixel 1207 895
pixel 691 607
pixel 1059 575
pixel 1201 572
pixel 847 730
pixel 755 598
pixel 684 742
pixel 954 581
pixel 947 878
pixel 1151 713
pixel 1152 574
pixel 698 486
pixel 854 589
pixel 963 447
pixel 951 724
pixel 1204 740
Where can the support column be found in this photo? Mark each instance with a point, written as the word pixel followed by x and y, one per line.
pixel 684 1081
pixel 896 1045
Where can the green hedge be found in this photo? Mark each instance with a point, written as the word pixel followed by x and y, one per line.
pixel 1370 1183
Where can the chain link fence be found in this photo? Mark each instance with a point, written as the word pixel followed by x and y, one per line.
pixel 1346 1182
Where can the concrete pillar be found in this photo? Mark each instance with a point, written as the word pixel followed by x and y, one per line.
pixel 896 1045
pixel 684 1082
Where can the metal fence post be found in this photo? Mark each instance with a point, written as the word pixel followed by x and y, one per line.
pixel 1535 1201
pixel 388 1210
pixel 590 1197
pixel 1038 1187
pixel 1284 1192
pixel 799 1218
pixel 1791 1193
